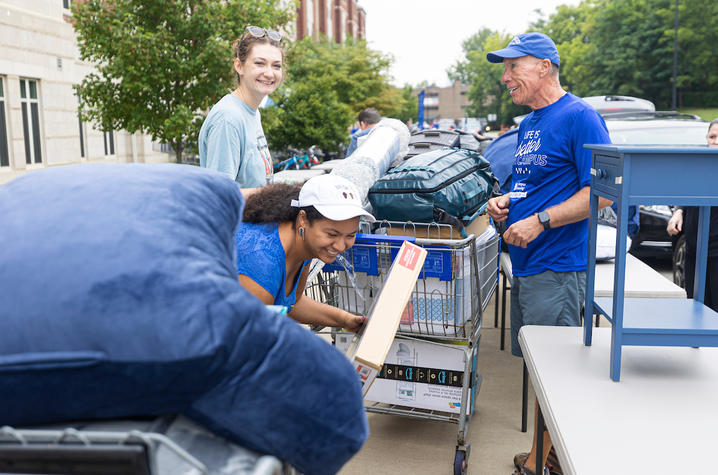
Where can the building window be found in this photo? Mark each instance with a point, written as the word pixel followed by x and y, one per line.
pixel 30 120
pixel 109 142
pixel 4 154
pixel 66 4
pixel 329 30
pixel 310 17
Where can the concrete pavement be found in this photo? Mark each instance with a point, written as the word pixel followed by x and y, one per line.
pixel 399 445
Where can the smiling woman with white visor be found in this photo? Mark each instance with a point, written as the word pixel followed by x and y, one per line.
pixel 231 140
pixel 284 228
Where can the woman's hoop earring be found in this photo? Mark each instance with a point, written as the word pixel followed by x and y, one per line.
pixel 301 232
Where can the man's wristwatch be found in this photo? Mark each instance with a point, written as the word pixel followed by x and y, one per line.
pixel 544 219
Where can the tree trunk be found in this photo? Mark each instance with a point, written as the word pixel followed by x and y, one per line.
pixel 177 146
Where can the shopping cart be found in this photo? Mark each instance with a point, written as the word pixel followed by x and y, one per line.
pixel 167 445
pixel 441 322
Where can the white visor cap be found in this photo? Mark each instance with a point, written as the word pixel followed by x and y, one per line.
pixel 336 198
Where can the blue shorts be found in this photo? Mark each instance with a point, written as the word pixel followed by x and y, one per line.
pixel 549 298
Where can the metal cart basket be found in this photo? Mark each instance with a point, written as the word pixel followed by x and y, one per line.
pixel 444 314
pixel 167 445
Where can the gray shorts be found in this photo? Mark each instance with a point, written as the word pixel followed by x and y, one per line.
pixel 549 298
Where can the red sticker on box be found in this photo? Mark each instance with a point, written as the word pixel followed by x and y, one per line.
pixel 409 256
pixel 363 371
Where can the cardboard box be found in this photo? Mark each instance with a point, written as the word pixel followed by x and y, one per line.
pixel 418 373
pixel 442 307
pixel 476 227
pixel 371 347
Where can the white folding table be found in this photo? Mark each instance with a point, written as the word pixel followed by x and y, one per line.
pixel 661 418
pixel 641 281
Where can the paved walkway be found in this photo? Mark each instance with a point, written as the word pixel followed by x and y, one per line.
pixel 400 445
pixel 408 446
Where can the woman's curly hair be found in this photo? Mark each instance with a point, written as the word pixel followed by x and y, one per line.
pixel 273 203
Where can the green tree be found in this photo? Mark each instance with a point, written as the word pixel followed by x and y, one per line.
pixel 631 56
pixel 488 95
pixel 697 55
pixel 326 86
pixel 626 47
pixel 161 63
pixel 571 28
pixel 409 105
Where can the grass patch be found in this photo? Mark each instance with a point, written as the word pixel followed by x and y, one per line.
pixel 705 114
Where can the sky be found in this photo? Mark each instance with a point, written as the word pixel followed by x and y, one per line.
pixel 425 36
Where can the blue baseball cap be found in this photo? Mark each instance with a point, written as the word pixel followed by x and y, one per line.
pixel 533 44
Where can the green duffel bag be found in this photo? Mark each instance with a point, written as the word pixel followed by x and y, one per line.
pixel 448 185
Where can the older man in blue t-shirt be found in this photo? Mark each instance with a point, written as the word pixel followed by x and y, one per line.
pixel 547 208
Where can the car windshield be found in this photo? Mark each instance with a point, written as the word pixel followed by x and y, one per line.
pixel 669 135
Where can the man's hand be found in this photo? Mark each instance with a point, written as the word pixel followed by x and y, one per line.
pixel 523 232
pixel 498 208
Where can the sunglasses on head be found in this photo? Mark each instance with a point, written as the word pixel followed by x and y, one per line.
pixel 259 32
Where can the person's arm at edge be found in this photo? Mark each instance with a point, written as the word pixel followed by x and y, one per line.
pixel 352 147
pixel 255 289
pixel 574 209
pixel 308 311
pixel 223 146
pixel 675 224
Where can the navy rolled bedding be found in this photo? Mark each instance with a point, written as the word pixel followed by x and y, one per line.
pixel 119 297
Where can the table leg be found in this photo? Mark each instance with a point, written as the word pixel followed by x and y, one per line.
pixel 503 313
pixel 496 303
pixel 590 270
pixel 540 428
pixel 524 398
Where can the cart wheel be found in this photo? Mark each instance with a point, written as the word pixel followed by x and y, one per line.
pixel 460 462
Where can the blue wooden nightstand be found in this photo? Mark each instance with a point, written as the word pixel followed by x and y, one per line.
pixel 647 175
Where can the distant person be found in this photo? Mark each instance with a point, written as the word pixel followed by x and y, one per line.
pixel 547 208
pixel 411 126
pixel 231 140
pixel 367 118
pixel 284 228
pixel 686 219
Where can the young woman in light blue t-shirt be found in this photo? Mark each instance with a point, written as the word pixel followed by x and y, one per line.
pixel 231 140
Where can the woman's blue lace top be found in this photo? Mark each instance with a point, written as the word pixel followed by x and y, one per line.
pixel 260 256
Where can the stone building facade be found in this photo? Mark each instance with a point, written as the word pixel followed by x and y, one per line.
pixel 336 19
pixel 39 124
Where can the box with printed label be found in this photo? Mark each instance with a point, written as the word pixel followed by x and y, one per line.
pixel 371 347
pixel 432 231
pixel 418 373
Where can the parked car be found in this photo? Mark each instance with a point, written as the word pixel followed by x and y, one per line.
pixel 607 104
pixel 658 128
pixel 630 125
